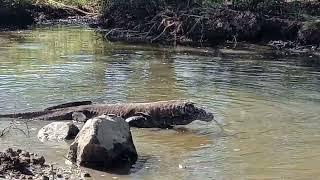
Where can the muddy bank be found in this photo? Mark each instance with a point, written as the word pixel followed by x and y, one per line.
pixel 21 16
pixel 191 22
pixel 276 23
pixel 19 164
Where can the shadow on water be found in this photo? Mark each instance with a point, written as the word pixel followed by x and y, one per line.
pixel 127 169
pixel 123 169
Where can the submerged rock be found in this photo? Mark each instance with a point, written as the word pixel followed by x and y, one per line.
pixel 58 131
pixel 104 142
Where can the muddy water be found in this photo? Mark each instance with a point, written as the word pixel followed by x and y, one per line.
pixel 269 103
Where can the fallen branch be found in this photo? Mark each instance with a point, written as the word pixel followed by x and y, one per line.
pixel 14 126
pixel 5 131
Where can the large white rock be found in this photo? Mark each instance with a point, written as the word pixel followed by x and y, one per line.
pixel 103 142
pixel 58 131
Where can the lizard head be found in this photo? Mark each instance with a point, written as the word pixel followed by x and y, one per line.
pixel 187 112
pixel 197 113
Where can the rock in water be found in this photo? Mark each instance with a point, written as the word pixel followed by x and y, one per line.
pixel 58 131
pixel 104 142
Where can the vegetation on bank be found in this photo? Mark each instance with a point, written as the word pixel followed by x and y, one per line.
pixel 54 3
pixel 209 21
pixel 181 21
pixel 21 13
pixel 262 6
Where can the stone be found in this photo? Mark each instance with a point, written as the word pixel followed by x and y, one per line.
pixel 36 160
pixel 58 131
pixel 103 142
pixel 45 178
pixel 86 175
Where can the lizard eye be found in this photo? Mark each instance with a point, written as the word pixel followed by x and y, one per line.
pixel 189 108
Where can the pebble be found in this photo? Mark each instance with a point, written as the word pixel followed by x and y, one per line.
pixel 86 174
pixel 36 164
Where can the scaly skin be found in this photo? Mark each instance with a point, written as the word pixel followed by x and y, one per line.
pixel 161 114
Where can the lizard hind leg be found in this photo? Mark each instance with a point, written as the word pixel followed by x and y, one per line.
pixel 79 117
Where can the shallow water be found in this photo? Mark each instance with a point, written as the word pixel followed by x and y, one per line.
pixel 269 103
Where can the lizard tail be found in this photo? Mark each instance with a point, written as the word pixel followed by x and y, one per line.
pixel 27 115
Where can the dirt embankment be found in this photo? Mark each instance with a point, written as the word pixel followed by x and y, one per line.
pixel 18 164
pixel 21 16
pixel 190 22
pixel 279 23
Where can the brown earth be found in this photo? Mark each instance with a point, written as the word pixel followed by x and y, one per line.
pixel 20 17
pixel 18 164
pixel 185 22
pixel 149 22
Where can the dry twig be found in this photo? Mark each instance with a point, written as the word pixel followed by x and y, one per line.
pixel 14 126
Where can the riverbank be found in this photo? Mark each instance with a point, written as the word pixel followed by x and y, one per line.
pixel 20 14
pixel 279 24
pixel 194 23
pixel 19 164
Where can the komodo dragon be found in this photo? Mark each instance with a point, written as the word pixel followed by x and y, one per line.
pixel 161 114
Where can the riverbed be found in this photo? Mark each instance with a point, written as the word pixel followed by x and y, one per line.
pixel 268 102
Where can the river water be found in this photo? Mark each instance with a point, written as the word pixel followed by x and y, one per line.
pixel 268 102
